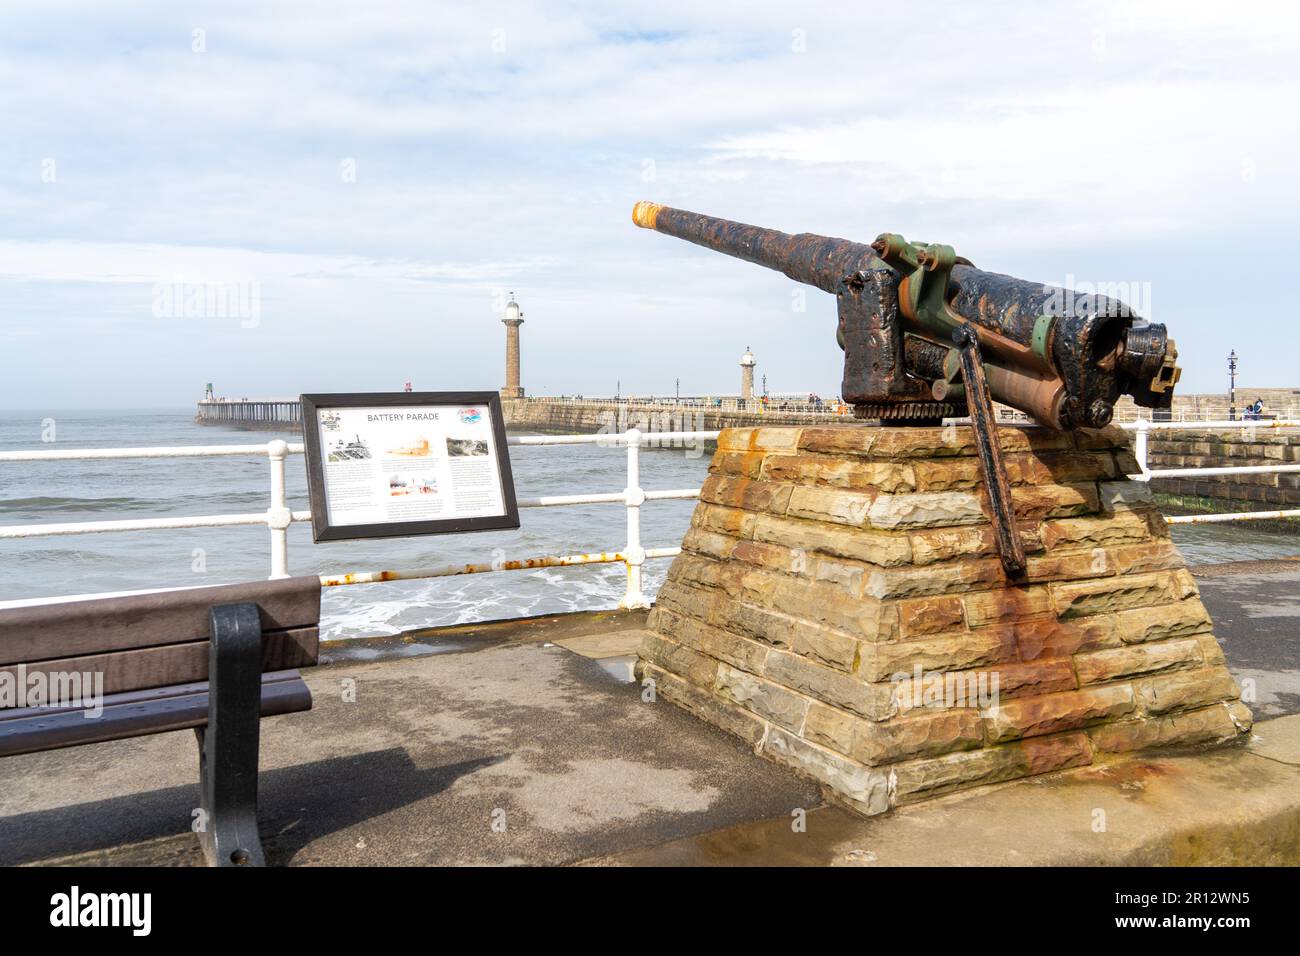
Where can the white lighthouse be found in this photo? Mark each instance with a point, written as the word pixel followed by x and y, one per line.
pixel 747 363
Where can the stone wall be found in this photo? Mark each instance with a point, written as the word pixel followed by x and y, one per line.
pixel 1215 449
pixel 839 605
pixel 582 418
pixel 1213 406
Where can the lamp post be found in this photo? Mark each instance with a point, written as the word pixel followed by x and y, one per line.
pixel 1232 385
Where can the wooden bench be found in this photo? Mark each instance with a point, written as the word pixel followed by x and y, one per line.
pixel 215 659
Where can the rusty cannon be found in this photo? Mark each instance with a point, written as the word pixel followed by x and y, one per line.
pixel 928 336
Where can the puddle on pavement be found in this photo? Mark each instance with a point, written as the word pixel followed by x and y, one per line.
pixel 619 667
pixel 396 648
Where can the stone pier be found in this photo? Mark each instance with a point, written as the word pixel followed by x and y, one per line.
pixel 266 414
pixel 839 604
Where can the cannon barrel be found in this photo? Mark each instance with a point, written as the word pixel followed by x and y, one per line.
pixel 1059 356
pixel 814 260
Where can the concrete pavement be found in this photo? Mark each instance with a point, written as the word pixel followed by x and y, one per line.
pixel 522 743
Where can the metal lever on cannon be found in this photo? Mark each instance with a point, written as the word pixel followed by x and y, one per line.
pixel 980 405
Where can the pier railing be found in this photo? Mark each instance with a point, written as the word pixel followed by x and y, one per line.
pixel 278 516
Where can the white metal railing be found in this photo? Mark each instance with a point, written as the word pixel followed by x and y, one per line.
pixel 278 516
pixel 1142 427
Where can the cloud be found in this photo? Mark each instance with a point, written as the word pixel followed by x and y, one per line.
pixel 392 164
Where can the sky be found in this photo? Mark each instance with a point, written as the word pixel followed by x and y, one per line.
pixel 312 196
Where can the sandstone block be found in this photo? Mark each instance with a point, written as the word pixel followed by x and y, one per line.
pixel 1211 724
pixel 767 496
pixel 1095 531
pixel 1061 467
pixel 1186 689
pixel 960 650
pixel 758 439
pixel 741 464
pixel 1006 604
pixel 940 442
pixel 763 698
pixel 983 687
pixel 921 735
pixel 729 521
pixel 848 474
pixel 975 540
pixel 930 616
pixel 828 685
pixel 825 646
pixel 1098 666
pixel 1033 716
pixel 1112 436
pixel 831 727
pixel 939 578
pixel 928 777
pixel 709 543
pixel 1047 637
pixel 1054 501
pixel 860 544
pixel 924 510
pixel 865 789
pixel 733 649
pixel 841 442
pixel 831 606
pixel 1032 438
pixel 949 474
pixel 691 665
pixel 1117 496
pixel 1158 623
pixel 772 557
pixel 1069 565
pixel 1158 555
pixel 734 720
pixel 1211 650
pixel 829 504
pixel 1057 752
pixel 1074 599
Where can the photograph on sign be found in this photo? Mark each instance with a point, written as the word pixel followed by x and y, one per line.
pixel 386 464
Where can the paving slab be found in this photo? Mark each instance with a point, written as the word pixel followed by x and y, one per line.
pixel 517 743
pixel 516 753
pixel 1227 807
pixel 1255 606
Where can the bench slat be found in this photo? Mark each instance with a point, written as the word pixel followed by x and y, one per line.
pixel 147 667
pixel 102 625
pixel 137 714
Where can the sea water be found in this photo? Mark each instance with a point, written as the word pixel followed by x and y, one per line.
pixel 115 489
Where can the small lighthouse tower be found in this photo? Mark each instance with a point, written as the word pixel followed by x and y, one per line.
pixel 514 318
pixel 747 363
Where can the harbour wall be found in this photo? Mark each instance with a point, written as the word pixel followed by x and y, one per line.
pixel 580 418
pixel 1191 449
pixel 1268 491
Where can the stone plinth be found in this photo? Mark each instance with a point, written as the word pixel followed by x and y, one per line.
pixel 839 604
